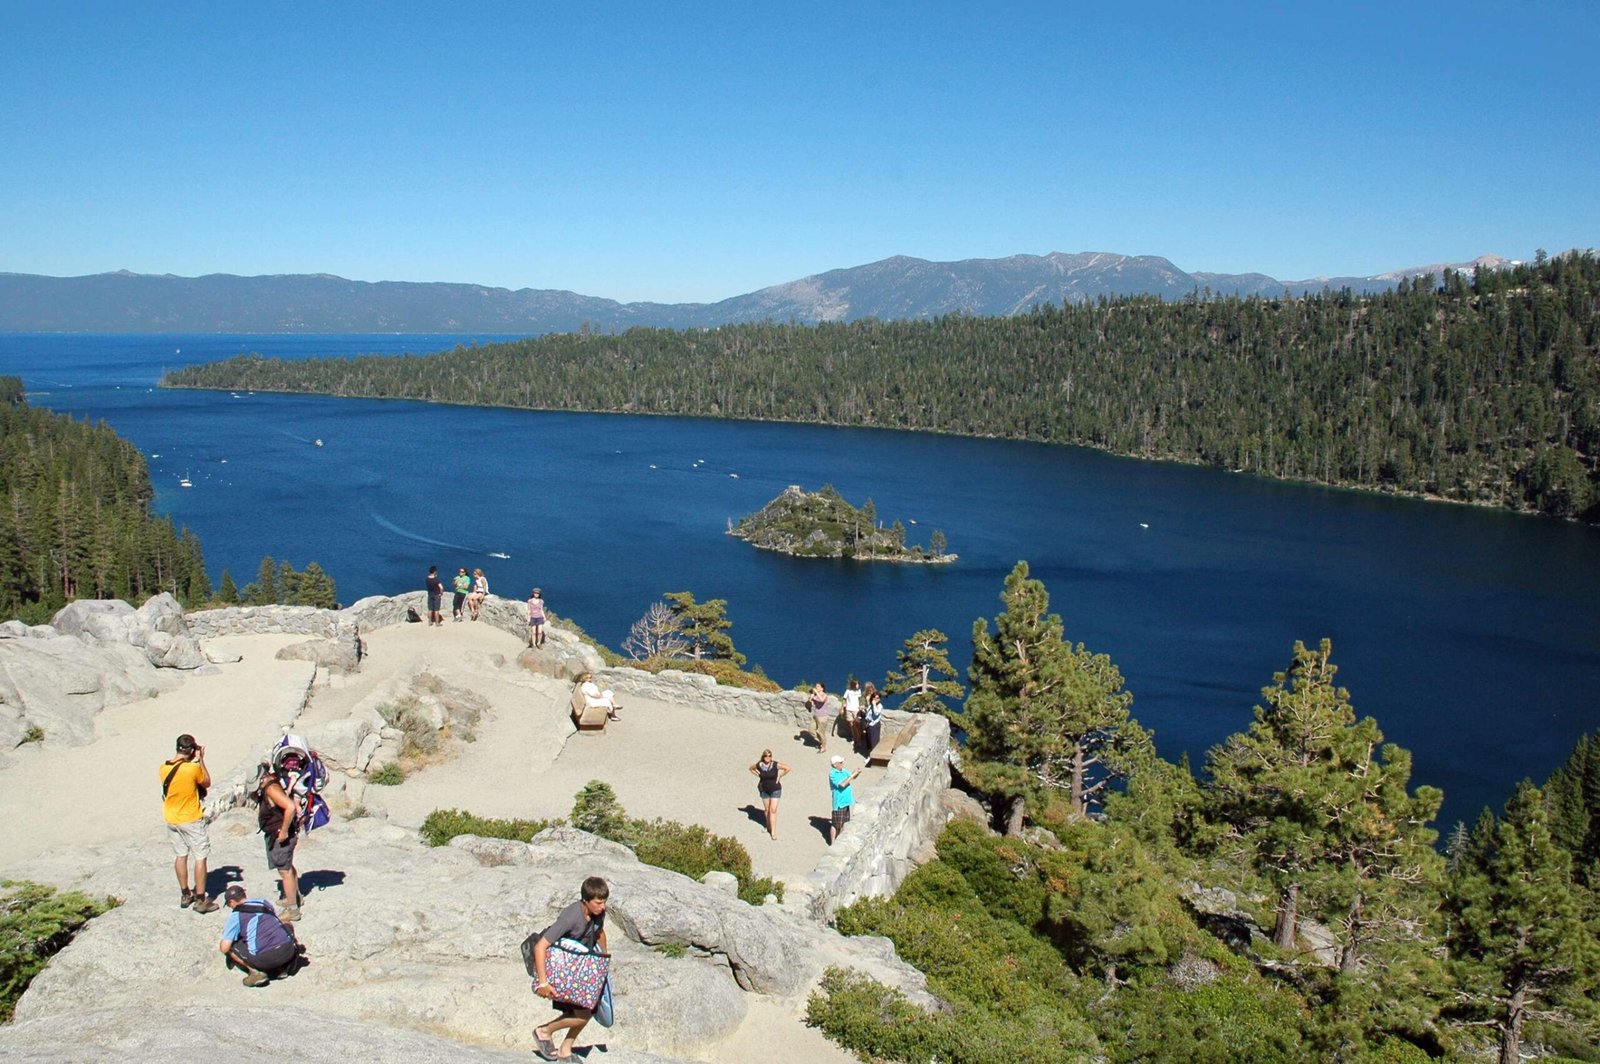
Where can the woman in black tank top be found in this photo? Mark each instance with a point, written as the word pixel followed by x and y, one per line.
pixel 768 773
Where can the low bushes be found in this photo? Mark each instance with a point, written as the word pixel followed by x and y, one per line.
pixel 36 923
pixel 442 825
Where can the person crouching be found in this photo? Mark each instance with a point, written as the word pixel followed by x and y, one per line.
pixel 255 939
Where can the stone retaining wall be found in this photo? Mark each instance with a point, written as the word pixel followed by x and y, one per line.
pixel 898 816
pixel 704 693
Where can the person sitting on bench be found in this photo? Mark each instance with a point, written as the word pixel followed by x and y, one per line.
pixel 593 696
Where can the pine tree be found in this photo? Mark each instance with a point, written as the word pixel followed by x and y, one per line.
pixel 228 592
pixel 925 674
pixel 1572 796
pixel 705 625
pixel 1044 717
pixel 315 588
pixel 1314 809
pixel 1521 931
pixel 264 592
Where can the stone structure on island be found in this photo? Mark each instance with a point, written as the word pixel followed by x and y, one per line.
pixel 823 524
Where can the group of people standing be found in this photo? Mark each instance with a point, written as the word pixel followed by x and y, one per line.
pixel 863 715
pixel 257 937
pixel 469 592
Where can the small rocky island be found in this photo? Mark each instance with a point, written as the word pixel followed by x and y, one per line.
pixel 823 525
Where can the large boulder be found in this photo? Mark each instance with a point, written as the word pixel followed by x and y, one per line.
pixel 58 685
pixel 565 659
pixel 157 628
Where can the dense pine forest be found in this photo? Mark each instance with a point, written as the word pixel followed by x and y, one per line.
pixel 1285 904
pixel 1481 388
pixel 77 520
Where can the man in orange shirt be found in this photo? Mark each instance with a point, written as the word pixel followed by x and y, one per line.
pixel 184 779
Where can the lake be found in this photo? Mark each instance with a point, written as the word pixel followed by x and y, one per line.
pixel 1469 634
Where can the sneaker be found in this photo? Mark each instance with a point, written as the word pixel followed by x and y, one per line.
pixel 289 913
pixel 257 979
pixel 188 896
pixel 203 904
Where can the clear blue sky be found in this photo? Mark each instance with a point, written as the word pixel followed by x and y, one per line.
pixel 695 151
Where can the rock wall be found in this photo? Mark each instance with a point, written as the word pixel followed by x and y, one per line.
pixel 890 823
pixel 704 693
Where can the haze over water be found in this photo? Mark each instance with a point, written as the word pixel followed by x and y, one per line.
pixel 1469 634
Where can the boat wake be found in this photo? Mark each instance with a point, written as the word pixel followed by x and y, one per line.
pixel 388 525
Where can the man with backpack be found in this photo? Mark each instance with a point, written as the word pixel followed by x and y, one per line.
pixel 184 780
pixel 255 939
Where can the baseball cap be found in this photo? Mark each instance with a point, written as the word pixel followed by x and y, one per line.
pixel 186 743
pixel 837 760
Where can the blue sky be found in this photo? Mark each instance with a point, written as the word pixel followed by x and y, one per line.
pixel 696 151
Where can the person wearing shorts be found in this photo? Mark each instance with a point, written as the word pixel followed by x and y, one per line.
pixel 536 618
pixel 279 820
pixel 463 587
pixel 817 701
pixel 769 773
pixel 182 779
pixel 435 588
pixel 255 939
pixel 839 782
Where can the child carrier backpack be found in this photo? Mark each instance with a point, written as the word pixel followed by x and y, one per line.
pixel 304 785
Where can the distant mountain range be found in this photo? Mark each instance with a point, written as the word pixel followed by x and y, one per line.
pixel 898 287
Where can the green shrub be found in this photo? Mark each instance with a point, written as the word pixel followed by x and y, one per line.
pixel 36 923
pixel 595 809
pixel 675 950
pixel 1230 1019
pixel 360 812
pixel 442 825
pixel 34 734
pixel 880 1024
pixel 390 775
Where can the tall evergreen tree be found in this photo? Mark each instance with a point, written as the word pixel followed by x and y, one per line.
pixel 228 591
pixel 1522 932
pixel 264 592
pixel 316 588
pixel 925 674
pixel 1314 809
pixel 1044 718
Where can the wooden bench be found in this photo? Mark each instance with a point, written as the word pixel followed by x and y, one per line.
pixel 893 741
pixel 587 718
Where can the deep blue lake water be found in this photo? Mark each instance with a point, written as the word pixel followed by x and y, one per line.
pixel 1470 635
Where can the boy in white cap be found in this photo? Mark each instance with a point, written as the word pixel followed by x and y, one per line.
pixel 839 782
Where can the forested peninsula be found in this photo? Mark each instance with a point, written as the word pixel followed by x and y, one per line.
pixel 1481 388
pixel 77 521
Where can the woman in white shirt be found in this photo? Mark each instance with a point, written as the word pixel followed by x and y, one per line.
pixel 593 696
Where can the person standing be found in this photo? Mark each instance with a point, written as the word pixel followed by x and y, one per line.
pixel 184 779
pixel 768 773
pixel 872 717
pixel 818 702
pixel 536 618
pixel 435 588
pixel 480 591
pixel 279 819
pixel 852 710
pixel 462 585
pixel 839 782
pixel 255 939
pixel 585 921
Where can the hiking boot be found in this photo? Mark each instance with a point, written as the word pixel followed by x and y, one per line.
pixel 289 914
pixel 203 904
pixel 257 979
pixel 188 896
